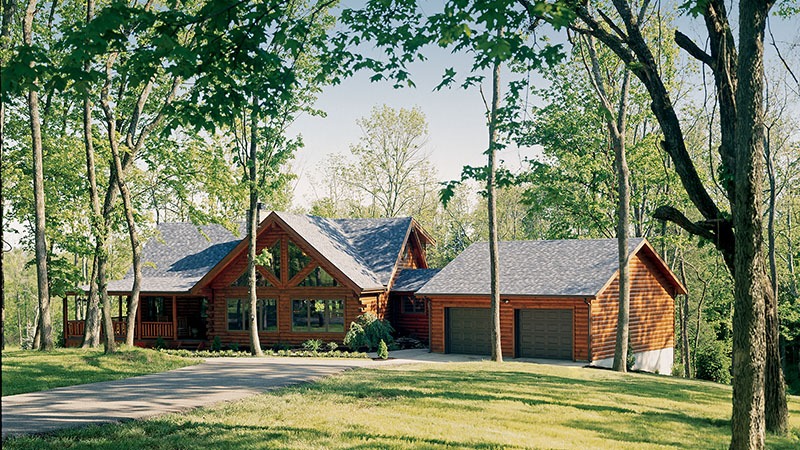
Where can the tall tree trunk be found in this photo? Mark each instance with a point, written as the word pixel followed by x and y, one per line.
pixel 9 8
pixel 91 329
pixel 684 315
pixel 252 229
pixel 494 252
pixel 621 164
pixel 616 131
pixel 45 325
pixel 776 411
pixel 751 279
pixel 133 305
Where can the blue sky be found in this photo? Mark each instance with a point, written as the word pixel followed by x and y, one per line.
pixel 456 117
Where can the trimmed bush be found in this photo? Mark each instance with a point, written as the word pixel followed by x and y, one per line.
pixel 713 363
pixel 332 346
pixel 383 350
pixel 367 331
pixel 312 345
pixel 216 344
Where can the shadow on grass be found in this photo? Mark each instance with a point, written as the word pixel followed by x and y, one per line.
pixel 189 434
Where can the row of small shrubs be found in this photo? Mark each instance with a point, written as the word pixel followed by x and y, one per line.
pixel 281 353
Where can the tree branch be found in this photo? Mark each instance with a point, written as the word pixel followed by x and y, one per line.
pixel 687 44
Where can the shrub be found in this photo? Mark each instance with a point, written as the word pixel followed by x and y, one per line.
pixel 160 342
pixel 281 346
pixel 367 331
pixel 383 350
pixel 332 346
pixel 312 345
pixel 713 363
pixel 234 347
pixel 216 344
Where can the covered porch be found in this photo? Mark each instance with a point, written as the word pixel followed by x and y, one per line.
pixel 177 320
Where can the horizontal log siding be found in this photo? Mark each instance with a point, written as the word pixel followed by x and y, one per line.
pixel 580 317
pixel 651 313
pixel 218 322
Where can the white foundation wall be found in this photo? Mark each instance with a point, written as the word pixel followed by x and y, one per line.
pixel 656 361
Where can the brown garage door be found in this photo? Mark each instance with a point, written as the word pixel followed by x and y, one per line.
pixel 468 331
pixel 544 333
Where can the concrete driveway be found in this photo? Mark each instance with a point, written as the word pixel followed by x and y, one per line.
pixel 215 380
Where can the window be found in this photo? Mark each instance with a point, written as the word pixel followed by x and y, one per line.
pixel 243 281
pixel 412 305
pixel 297 260
pixel 239 311
pixel 275 254
pixel 319 278
pixel 318 316
pixel 153 309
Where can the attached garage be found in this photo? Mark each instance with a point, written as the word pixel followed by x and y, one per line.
pixel 468 331
pixel 544 333
pixel 558 301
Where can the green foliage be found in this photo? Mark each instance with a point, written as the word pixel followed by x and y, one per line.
pixel 383 350
pixel 267 353
pixel 312 345
pixel 367 331
pixel 713 363
pixel 216 344
pixel 331 346
pixel 234 347
pixel 160 343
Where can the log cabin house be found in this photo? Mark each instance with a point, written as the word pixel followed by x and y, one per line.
pixel 322 274
pixel 559 300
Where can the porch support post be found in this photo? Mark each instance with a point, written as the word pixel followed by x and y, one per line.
pixel 120 307
pixel 174 318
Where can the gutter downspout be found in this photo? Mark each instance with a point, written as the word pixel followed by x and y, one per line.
pixel 589 306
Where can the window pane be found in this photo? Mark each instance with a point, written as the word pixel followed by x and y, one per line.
pixel 336 316
pixel 243 280
pixel 275 251
pixel 317 318
pixel 300 315
pixel 267 315
pixel 237 315
pixel 317 278
pixel 297 260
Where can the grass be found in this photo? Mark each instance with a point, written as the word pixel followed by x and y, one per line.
pixel 31 371
pixel 443 406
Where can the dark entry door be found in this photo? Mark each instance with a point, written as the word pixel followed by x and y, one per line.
pixel 544 333
pixel 468 331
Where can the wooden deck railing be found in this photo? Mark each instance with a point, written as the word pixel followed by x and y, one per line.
pixel 76 327
pixel 151 330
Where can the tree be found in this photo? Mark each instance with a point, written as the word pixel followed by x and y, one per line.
pixel 491 186
pixel 617 131
pixel 45 326
pixel 274 61
pixel 733 78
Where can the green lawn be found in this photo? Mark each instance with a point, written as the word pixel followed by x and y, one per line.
pixel 31 371
pixel 471 405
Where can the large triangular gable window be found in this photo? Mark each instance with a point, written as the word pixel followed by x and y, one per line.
pixel 243 281
pixel 319 278
pixel 275 265
pixel 298 260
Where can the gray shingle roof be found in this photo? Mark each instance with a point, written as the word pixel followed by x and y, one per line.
pixel 541 268
pixel 178 256
pixel 365 250
pixel 410 280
